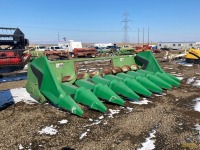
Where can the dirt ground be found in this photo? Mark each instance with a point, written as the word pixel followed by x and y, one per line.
pixel 172 116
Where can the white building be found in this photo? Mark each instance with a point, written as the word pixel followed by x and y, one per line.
pixel 177 45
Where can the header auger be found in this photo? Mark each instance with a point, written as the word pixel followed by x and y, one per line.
pixel 88 81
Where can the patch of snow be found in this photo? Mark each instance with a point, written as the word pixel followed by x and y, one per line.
pixel 15 96
pixel 197 105
pixel 149 143
pixel 141 102
pixel 6 79
pixel 83 135
pixel 188 65
pixel 180 124
pixel 158 94
pixel 25 67
pixel 20 146
pixel 130 109
pixel 177 75
pixel 105 122
pixel 180 78
pixel 196 83
pixel 64 121
pixel 168 68
pixel 190 80
pixel 185 64
pixel 90 119
pixel 97 122
pixel 197 127
pixel 48 130
pixel 113 112
pixel 101 117
pixel 162 94
pixel 94 123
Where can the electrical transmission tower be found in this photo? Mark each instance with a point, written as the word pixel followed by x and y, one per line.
pixel 126 28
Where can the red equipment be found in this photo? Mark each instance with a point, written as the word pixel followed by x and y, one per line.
pixel 142 48
pixel 85 52
pixel 12 47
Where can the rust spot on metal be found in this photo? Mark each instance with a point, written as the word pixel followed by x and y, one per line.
pixel 116 70
pixel 94 73
pixel 66 78
pixel 105 71
pixel 126 68
pixel 134 67
pixel 81 75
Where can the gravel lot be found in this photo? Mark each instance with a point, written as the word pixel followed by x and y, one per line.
pixel 170 115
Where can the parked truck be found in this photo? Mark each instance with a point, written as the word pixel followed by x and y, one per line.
pixel 40 48
pixel 76 49
pixel 57 48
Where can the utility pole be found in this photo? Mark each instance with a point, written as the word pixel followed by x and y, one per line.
pixel 148 35
pixel 143 36
pixel 58 37
pixel 138 36
pixel 125 28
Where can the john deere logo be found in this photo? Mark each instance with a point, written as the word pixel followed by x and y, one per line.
pixel 59 65
pixel 73 109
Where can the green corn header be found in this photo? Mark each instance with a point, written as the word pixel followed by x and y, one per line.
pixel 89 81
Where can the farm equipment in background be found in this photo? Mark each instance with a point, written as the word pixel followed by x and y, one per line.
pixel 143 48
pixel 85 52
pixel 50 54
pixel 76 49
pixel 12 47
pixel 172 56
pixel 88 81
pixel 126 50
pixel 193 56
pixel 63 54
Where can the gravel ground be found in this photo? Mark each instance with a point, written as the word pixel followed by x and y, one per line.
pixel 171 116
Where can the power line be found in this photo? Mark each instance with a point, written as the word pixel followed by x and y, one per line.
pixel 126 27
pixel 35 28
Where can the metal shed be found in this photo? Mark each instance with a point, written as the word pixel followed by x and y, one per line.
pixel 176 45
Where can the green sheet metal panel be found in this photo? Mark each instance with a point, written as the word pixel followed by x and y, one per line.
pixel 45 80
pixel 148 62
pixel 123 60
pixel 63 68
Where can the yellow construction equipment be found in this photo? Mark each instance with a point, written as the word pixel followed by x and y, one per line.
pixel 193 56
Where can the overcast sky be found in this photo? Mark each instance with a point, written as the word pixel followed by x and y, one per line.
pixel 102 20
